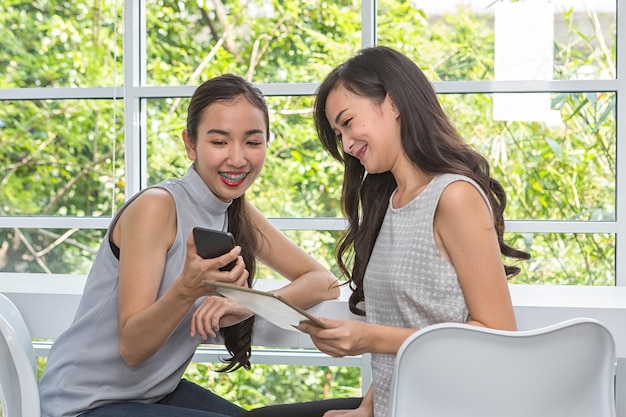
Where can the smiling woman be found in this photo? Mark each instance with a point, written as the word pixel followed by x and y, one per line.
pixel 228 146
pixel 145 308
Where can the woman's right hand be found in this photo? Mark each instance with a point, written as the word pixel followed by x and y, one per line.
pixel 197 269
pixel 341 337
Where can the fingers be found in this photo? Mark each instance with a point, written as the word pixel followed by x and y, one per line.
pixel 313 330
pixel 236 276
pixel 336 413
pixel 205 321
pixel 242 279
pixel 214 313
pixel 197 269
pixel 335 341
pixel 227 261
pixel 191 243
pixel 223 261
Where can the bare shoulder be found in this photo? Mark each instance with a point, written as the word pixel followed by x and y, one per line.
pixel 156 195
pixel 153 210
pixel 156 201
pixel 462 201
pixel 460 193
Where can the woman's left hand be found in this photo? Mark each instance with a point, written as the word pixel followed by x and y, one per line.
pixel 214 313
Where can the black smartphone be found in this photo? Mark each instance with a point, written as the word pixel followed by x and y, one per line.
pixel 213 243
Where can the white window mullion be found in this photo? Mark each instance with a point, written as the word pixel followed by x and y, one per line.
pixel 620 189
pixel 133 10
pixel 368 23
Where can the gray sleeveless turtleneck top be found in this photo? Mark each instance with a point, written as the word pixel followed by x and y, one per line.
pixel 407 282
pixel 85 369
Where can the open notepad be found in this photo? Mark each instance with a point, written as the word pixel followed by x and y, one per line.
pixel 272 307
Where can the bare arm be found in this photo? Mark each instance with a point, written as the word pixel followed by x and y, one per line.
pixel 465 233
pixel 311 282
pixel 144 233
pixel 354 337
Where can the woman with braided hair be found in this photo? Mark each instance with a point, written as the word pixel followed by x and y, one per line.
pixel 144 309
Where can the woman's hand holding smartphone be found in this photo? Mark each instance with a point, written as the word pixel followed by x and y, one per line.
pixel 213 243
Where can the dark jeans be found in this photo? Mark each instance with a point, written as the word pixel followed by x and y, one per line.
pixel 187 400
pixel 308 409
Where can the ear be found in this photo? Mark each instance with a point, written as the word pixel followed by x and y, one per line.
pixel 393 107
pixel 190 146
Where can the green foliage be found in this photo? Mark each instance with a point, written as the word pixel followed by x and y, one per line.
pixel 265 384
pixel 53 43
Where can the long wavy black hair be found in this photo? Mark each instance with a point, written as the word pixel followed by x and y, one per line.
pixel 228 88
pixel 427 137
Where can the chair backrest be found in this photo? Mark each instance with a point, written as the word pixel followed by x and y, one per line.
pixel 453 369
pixel 18 384
pixel 18 380
pixel 12 314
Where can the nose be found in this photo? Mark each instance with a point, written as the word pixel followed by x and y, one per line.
pixel 237 155
pixel 347 143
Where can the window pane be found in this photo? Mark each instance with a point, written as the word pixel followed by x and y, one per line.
pixel 166 119
pixel 265 41
pixel 487 40
pixel 61 157
pixel 562 167
pixel 566 259
pixel 61 44
pixel 48 251
pixel 299 178
pixel 264 385
pixel 318 244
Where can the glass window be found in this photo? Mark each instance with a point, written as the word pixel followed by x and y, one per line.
pixel 503 40
pixel 48 251
pixel 531 85
pixel 556 159
pixel 60 44
pixel 61 157
pixel 565 258
pixel 265 41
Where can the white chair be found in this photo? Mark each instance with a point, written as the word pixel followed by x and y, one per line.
pixel 12 314
pixel 454 370
pixel 18 372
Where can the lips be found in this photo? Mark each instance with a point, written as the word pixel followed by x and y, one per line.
pixel 233 180
pixel 360 153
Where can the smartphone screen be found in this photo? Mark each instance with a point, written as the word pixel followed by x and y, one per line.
pixel 213 243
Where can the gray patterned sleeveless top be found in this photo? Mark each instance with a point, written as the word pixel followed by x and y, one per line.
pixel 407 282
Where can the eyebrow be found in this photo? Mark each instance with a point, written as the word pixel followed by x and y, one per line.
pixel 225 133
pixel 339 115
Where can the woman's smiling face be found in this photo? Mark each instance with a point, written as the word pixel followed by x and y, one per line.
pixel 368 131
pixel 230 149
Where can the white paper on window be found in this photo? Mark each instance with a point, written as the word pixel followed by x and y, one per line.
pixel 524 51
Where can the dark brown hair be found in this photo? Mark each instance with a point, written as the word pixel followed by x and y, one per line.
pixel 428 138
pixel 228 87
